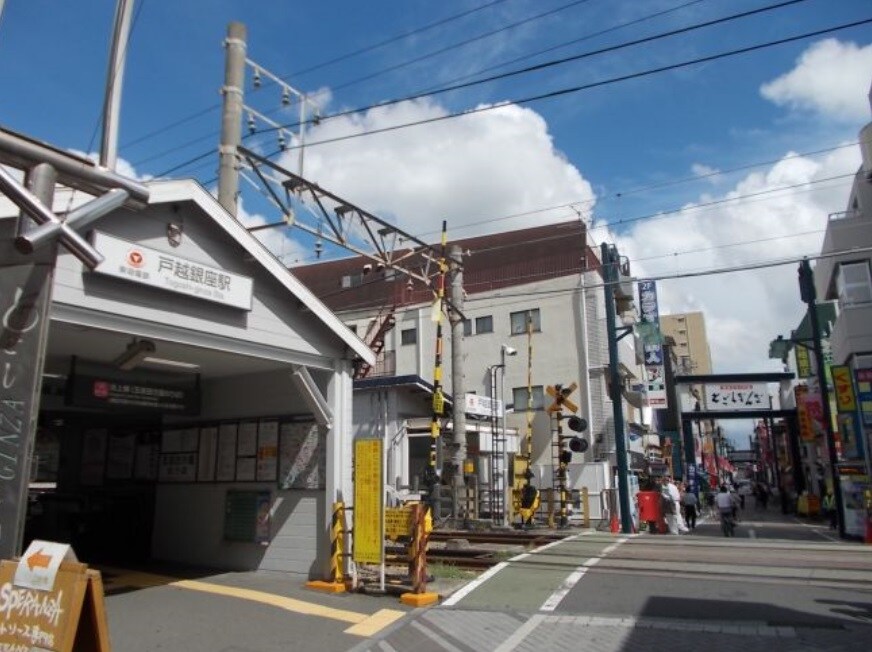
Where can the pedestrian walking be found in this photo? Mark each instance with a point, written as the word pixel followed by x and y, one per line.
pixel 829 508
pixel 673 516
pixel 690 504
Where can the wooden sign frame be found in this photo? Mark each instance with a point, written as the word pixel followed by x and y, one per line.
pixel 71 617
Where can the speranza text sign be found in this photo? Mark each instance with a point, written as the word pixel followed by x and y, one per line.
pixel 146 266
pixel 48 620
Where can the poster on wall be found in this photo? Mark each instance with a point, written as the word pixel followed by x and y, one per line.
pixel 302 456
pixel 246 445
pixel 93 456
pixel 226 465
pixel 245 469
pixel 267 450
pixel 207 454
pixel 147 456
pixel 177 467
pixel 181 440
pixel 122 452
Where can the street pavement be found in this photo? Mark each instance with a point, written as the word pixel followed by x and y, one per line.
pixel 780 584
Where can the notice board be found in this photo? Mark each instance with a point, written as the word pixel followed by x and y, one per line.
pixel 368 502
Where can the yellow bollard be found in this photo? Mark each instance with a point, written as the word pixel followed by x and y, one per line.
pixel 336 583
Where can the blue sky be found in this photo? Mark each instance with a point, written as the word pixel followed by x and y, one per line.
pixel 703 137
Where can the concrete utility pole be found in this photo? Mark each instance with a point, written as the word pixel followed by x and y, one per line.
pixel 231 117
pixel 114 83
pixel 458 384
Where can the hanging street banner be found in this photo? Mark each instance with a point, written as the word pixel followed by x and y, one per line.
pixel 649 316
pixel 843 384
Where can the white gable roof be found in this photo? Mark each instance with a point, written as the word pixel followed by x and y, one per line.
pixel 181 190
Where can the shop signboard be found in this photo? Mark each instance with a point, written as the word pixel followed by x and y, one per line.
pixel 159 269
pixel 864 394
pixel 843 386
pixel 483 406
pixel 736 396
pixel 51 602
pixel 803 362
pixel 652 351
pixel 854 483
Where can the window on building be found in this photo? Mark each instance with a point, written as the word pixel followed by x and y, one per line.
pixel 409 336
pixel 519 321
pixel 484 324
pixel 352 280
pixel 519 398
pixel 854 283
pixel 467 327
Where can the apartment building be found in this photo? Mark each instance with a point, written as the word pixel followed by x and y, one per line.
pixel 549 275
pixel 691 348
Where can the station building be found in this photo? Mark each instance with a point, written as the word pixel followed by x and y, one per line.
pixel 196 403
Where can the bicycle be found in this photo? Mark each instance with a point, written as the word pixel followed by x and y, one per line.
pixel 728 525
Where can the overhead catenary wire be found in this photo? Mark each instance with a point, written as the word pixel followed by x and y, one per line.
pixel 532 98
pixel 217 105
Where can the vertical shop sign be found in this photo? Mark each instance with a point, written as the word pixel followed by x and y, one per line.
pixel 843 384
pixel 25 293
pixel 653 351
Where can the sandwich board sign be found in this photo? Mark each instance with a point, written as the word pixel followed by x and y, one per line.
pixel 49 602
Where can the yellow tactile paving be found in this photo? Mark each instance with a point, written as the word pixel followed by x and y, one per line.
pixel 361 624
pixel 375 623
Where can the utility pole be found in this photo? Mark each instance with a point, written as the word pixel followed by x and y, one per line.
pixel 231 116
pixel 808 294
pixel 610 278
pixel 114 83
pixel 458 386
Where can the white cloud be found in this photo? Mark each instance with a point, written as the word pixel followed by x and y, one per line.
pixel 743 310
pixel 503 162
pixel 484 165
pixel 831 78
pixel 702 170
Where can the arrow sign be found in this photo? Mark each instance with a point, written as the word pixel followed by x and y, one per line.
pixel 39 564
pixel 38 560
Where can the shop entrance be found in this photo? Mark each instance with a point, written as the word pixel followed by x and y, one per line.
pixel 93 484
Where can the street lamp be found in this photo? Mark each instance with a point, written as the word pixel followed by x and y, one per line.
pixel 497 456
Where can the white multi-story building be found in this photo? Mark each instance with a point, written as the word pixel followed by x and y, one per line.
pixel 548 275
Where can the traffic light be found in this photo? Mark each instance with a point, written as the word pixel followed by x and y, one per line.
pixel 806 283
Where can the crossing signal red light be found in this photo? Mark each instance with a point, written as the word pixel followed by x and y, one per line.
pixel 578 445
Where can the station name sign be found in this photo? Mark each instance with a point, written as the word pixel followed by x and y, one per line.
pixel 102 392
pixel 133 262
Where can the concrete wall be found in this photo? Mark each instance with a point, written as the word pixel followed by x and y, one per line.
pixel 189 528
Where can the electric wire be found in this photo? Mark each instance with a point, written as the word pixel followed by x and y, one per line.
pixel 344 57
pixel 291 125
pixel 565 44
pixel 460 44
pixel 557 62
pixel 582 87
pixel 212 134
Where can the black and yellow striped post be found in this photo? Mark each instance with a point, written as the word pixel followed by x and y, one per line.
pixel 431 477
pixel 529 499
pixel 422 525
pixel 337 543
pixel 336 582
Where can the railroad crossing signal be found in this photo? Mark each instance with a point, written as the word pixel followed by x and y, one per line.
pixel 561 394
